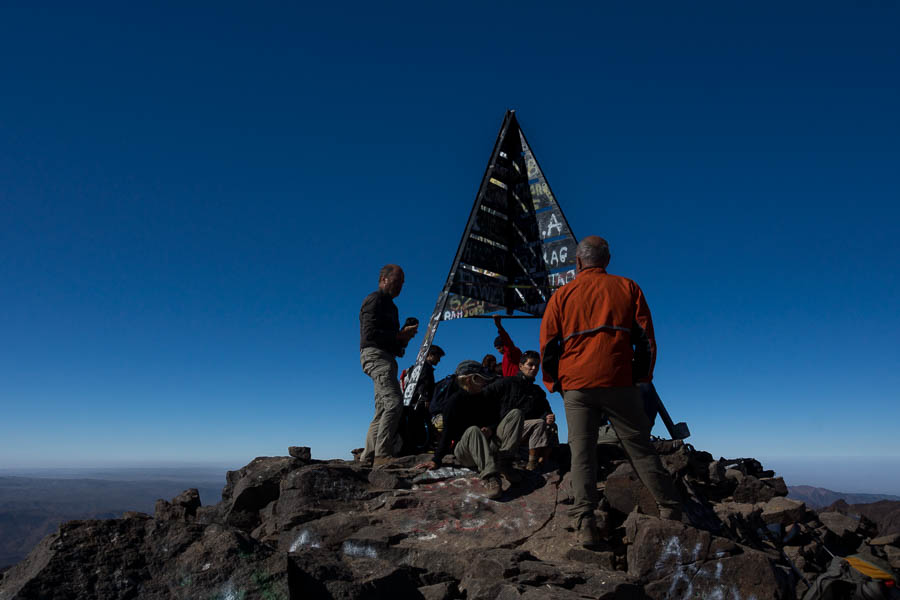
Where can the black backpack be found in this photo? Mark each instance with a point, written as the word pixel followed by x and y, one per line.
pixel 443 389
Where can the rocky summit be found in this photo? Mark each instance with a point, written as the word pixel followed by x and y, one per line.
pixel 292 527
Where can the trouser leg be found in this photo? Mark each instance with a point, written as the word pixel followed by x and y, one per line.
pixel 583 419
pixel 369 450
pixel 625 409
pixel 382 368
pixel 474 451
pixel 535 433
pixel 509 432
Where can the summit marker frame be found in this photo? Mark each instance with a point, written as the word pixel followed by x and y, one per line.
pixel 516 250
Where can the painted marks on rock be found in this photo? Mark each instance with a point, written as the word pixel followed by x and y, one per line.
pixel 459 507
pixel 692 579
pixel 305 539
pixel 357 550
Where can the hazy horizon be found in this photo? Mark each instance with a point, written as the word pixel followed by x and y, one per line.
pixel 846 474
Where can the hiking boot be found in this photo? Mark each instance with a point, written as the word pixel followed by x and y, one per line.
pixel 493 487
pixel 588 534
pixel 506 469
pixel 670 512
pixel 534 459
pixel 381 462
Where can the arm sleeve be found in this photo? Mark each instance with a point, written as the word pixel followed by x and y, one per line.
pixel 643 336
pixel 545 404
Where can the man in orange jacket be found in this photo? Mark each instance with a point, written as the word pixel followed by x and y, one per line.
pixel 591 326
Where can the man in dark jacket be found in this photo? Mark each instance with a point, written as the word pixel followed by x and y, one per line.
pixel 380 341
pixel 483 441
pixel 520 391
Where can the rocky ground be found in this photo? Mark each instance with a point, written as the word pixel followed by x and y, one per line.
pixel 290 527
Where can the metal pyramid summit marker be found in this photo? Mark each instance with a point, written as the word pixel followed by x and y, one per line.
pixel 516 250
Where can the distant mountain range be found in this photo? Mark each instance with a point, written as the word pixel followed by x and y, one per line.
pixel 32 507
pixel 816 497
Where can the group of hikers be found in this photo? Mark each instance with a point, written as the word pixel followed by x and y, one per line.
pixel 596 348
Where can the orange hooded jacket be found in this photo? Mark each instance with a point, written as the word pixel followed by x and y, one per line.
pixel 597 316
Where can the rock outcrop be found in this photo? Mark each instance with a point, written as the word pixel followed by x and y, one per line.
pixel 293 527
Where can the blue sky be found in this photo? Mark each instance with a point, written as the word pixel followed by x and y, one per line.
pixel 195 200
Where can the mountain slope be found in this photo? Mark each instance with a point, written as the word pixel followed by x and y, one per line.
pixel 816 497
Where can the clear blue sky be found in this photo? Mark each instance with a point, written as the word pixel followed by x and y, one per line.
pixel 195 200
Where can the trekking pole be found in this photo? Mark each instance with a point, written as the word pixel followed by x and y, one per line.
pixel 678 431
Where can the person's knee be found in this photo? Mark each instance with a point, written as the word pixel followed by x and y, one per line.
pixel 515 414
pixel 469 433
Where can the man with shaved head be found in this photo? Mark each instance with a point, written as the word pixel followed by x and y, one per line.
pixel 381 341
pixel 598 335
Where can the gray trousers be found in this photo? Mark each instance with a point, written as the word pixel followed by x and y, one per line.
pixel 475 451
pixel 381 439
pixel 584 410
pixel 538 434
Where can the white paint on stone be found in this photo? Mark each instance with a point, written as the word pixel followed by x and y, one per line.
pixel 472 523
pixel 358 550
pixel 229 593
pixel 305 539
pixel 671 549
pixel 207 566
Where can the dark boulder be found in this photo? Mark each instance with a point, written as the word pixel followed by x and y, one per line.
pixel 183 507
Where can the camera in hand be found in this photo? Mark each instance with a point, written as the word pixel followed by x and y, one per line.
pixel 411 321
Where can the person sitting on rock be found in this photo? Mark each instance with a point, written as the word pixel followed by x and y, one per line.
pixel 520 391
pixel 489 362
pixel 471 421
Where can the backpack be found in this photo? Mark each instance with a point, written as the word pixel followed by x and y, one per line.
pixel 854 577
pixel 442 391
pixel 403 375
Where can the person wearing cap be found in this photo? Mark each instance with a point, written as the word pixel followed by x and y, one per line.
pixel 596 343
pixel 482 443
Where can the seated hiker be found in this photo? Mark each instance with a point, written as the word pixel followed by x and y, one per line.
pixel 520 392
pixel 443 390
pixel 489 362
pixel 482 443
pixel 504 345
pixel 417 427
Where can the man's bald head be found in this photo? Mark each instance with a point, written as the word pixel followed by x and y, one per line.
pixel 593 251
pixel 390 280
